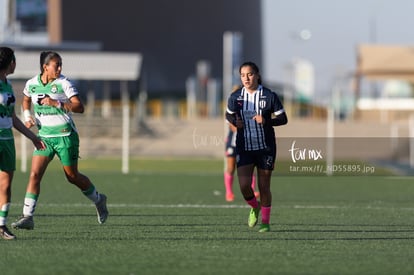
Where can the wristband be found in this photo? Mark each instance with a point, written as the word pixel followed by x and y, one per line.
pixel 27 115
pixel 59 106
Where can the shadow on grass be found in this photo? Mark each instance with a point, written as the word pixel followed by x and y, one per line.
pixel 213 232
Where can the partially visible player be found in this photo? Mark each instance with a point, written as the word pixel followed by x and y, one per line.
pixel 231 165
pixel 254 110
pixel 54 98
pixel 8 119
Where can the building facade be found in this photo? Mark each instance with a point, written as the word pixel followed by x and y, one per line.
pixel 172 36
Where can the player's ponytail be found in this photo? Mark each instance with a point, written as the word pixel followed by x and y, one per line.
pixel 6 57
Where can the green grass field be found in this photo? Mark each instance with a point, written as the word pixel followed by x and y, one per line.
pixel 170 217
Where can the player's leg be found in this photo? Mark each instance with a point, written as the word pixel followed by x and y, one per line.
pixel 265 197
pixel 265 177
pixel 244 173
pixel 229 177
pixel 245 169
pixel 5 196
pixel 256 193
pixel 69 154
pixel 230 166
pixel 88 189
pixel 38 168
pixel 7 168
pixel 264 172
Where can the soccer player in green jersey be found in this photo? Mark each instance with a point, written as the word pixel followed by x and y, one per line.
pixel 54 98
pixel 8 119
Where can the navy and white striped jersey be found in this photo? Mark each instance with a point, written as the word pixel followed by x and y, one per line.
pixel 254 136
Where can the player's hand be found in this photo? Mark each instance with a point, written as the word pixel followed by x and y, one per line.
pixel 259 119
pixel 39 144
pixel 46 100
pixel 29 123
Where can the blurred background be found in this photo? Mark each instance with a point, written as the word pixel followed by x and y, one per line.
pixel 155 75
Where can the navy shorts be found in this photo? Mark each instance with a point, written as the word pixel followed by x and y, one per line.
pixel 262 159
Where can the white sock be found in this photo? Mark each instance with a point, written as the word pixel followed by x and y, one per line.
pixel 4 213
pixel 29 204
pixel 92 194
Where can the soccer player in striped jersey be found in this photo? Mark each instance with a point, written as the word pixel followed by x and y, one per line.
pixel 54 98
pixel 8 119
pixel 255 110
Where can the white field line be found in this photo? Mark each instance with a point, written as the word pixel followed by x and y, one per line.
pixel 206 206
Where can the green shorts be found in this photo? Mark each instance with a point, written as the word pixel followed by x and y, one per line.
pixel 7 155
pixel 66 148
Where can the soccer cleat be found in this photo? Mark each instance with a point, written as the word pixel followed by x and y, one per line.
pixel 101 209
pixel 264 228
pixel 25 222
pixel 6 234
pixel 253 216
pixel 229 197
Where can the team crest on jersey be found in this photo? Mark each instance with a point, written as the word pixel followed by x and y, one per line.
pixel 262 104
pixel 54 89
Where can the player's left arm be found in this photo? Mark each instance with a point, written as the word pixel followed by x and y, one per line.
pixel 279 116
pixel 74 105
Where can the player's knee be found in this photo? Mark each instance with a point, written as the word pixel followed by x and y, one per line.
pixel 34 176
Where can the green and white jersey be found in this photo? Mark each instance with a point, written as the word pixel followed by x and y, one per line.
pixel 7 101
pixel 51 121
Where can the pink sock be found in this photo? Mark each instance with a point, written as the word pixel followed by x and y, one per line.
pixel 253 182
pixel 253 203
pixel 266 214
pixel 228 183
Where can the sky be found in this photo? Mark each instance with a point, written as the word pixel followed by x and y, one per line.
pixel 337 27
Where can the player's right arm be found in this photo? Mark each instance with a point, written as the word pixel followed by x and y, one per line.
pixel 28 118
pixel 234 119
pixel 232 112
pixel 232 128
